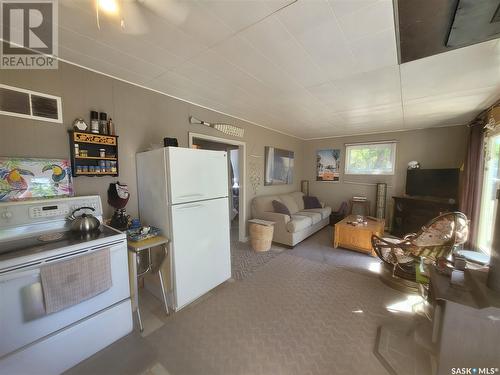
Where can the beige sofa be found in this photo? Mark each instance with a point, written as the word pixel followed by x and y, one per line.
pixel 290 230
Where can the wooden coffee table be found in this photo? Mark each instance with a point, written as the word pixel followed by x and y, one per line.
pixel 357 237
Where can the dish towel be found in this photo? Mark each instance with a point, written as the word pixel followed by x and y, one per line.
pixel 70 282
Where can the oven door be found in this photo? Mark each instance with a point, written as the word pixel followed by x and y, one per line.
pixel 22 311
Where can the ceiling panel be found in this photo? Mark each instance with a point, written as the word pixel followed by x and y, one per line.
pixel 79 18
pixel 222 67
pixel 316 28
pixel 242 13
pixel 89 47
pixel 204 26
pixel 466 68
pixel 361 90
pixel 452 109
pixel 376 51
pixel 368 20
pixel 274 41
pixel 102 66
pixel 241 53
pixel 344 8
pixel 383 116
pixel 311 68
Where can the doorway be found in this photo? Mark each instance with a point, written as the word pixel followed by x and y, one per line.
pixel 236 187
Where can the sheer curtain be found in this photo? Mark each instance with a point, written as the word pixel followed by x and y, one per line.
pixel 472 181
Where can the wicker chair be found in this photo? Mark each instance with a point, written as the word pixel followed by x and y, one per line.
pixel 434 241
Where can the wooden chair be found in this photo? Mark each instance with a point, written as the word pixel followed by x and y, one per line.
pixel 434 241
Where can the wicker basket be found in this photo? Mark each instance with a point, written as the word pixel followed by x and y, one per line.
pixel 261 236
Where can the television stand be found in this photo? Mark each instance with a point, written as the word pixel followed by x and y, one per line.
pixel 411 212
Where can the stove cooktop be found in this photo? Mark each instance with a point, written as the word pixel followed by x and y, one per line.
pixel 51 241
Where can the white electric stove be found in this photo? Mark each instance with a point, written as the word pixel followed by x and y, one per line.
pixel 35 233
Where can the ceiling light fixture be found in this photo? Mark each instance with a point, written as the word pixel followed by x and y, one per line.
pixel 108 6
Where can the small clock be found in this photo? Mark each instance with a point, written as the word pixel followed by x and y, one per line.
pixel 80 124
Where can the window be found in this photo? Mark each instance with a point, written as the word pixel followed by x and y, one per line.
pixel 491 182
pixel 370 158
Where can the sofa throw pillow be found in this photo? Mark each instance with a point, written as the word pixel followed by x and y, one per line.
pixel 280 208
pixel 311 202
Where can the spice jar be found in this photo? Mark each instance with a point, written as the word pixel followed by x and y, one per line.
pixel 102 152
pixel 111 127
pixel 94 122
pixel 103 123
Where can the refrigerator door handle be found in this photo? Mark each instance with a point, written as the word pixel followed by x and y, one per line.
pixel 190 195
pixel 189 206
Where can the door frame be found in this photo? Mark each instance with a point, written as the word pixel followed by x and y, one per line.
pixel 242 237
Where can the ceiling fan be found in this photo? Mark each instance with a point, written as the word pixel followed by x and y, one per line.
pixel 132 14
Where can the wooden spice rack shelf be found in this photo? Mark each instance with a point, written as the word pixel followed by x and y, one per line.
pixel 96 173
pixel 92 143
pixel 94 158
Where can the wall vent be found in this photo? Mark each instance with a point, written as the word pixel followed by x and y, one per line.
pixel 29 104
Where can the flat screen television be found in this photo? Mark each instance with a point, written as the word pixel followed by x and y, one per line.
pixel 439 183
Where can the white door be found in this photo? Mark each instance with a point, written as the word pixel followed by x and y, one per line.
pixel 197 174
pixel 201 254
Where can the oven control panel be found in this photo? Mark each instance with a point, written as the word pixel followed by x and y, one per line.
pixel 45 212
pixel 49 210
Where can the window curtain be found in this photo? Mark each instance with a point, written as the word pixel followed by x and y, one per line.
pixel 472 181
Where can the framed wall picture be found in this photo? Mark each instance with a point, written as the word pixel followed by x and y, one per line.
pixel 328 165
pixel 278 166
pixel 23 178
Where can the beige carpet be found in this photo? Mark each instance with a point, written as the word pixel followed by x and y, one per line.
pixel 292 316
pixel 245 261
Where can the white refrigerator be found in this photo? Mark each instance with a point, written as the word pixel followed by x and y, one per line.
pixel 184 192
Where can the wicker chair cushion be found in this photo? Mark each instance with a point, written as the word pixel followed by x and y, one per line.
pixel 388 254
pixel 437 234
pixel 462 230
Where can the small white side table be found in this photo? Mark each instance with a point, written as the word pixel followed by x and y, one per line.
pixel 135 248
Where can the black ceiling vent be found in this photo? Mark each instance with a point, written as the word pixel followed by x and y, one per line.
pixel 475 21
pixel 423 27
pixel 29 104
